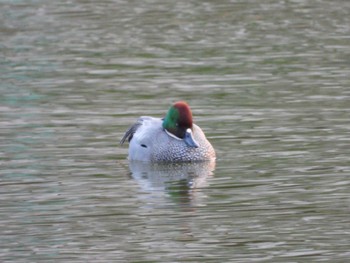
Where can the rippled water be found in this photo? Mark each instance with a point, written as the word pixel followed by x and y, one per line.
pixel 267 81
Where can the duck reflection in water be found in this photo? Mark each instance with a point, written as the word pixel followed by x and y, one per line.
pixel 180 181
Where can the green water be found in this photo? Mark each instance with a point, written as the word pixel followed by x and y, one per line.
pixel 268 82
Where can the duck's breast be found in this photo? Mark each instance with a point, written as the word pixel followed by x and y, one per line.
pixel 170 149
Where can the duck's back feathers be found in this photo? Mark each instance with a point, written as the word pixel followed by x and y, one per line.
pixel 131 131
pixel 144 122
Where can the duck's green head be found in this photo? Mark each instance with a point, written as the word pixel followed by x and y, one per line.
pixel 178 123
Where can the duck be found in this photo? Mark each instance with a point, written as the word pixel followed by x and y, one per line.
pixel 172 139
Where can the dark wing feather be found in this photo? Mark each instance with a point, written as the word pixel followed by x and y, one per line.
pixel 130 132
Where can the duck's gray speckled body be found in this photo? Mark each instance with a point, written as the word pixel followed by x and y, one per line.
pixel 151 142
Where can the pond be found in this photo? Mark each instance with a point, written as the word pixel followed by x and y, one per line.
pixel 268 82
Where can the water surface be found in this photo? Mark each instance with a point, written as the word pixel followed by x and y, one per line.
pixel 268 83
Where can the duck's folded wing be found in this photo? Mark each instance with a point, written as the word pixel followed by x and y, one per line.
pixel 130 132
